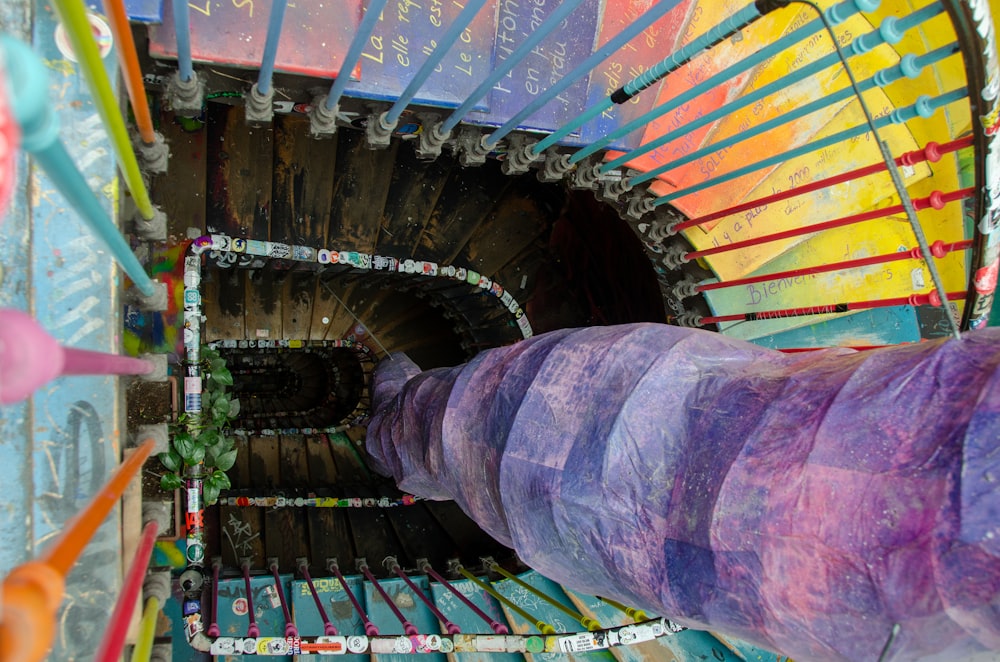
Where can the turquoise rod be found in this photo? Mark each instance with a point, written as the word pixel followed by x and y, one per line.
pixel 892 32
pixel 909 66
pixel 358 43
pixel 715 34
pixel 845 9
pixel 28 92
pixel 925 106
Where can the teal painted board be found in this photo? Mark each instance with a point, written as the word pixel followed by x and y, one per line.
pixel 879 326
pixel 459 614
pixel 412 608
pixel 407 33
pixel 542 610
pixel 558 54
pixel 627 63
pixel 338 608
pixel 233 618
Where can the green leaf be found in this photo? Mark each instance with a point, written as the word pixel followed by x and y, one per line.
pixel 208 354
pixel 170 482
pixel 171 460
pixel 220 479
pixel 225 461
pixel 197 456
pixel 223 377
pixel 184 445
pixel 234 408
pixel 216 365
pixel 209 437
pixel 210 493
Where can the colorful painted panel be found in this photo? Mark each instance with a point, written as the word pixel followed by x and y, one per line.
pixel 314 39
pixel 557 55
pixel 636 57
pixel 407 32
pixel 864 328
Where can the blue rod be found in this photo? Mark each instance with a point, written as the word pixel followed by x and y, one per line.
pixel 27 88
pixel 182 31
pixel 924 107
pixel 720 78
pixel 909 66
pixel 550 24
pixel 274 22
pixel 598 56
pixel 371 17
pixel 894 31
pixel 460 23
pixel 715 34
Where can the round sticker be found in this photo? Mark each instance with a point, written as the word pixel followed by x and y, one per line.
pixel 102 35
pixel 534 645
pixel 240 607
pixel 357 644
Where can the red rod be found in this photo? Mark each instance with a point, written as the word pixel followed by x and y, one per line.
pixel 213 629
pixel 932 152
pixel 370 628
pixel 938 249
pixel 498 628
pixel 931 298
pixel 449 626
pixel 935 199
pixel 328 628
pixel 408 628
pixel 113 642
pixel 252 630
pixel 131 71
pixel 290 629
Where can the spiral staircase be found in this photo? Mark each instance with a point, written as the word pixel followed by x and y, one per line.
pixel 715 169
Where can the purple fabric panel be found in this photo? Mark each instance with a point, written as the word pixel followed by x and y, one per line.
pixel 804 502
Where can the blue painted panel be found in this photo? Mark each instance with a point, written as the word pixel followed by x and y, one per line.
pixel 64 445
pixel 412 608
pixel 542 610
pixel 233 617
pixel 557 55
pixel 879 326
pixel 406 34
pixel 338 608
pixel 138 11
pixel 469 622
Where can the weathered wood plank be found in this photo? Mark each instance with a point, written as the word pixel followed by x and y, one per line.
pixel 263 307
pixel 329 534
pixel 298 292
pixel 241 527
pixel 240 165
pixel 413 194
pixel 293 459
pixel 304 173
pixel 467 199
pixel 519 218
pixel 223 295
pixel 359 192
pixel 181 192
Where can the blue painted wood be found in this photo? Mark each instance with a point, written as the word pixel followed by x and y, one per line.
pixel 879 326
pixel 59 448
pixel 138 11
pixel 407 34
pixel 413 609
pixel 233 619
pixel 558 54
pixel 336 603
pixel 463 617
pixel 542 610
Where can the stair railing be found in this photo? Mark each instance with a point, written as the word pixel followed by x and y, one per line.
pixel 40 137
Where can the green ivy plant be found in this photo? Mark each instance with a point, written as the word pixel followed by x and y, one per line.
pixel 200 447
